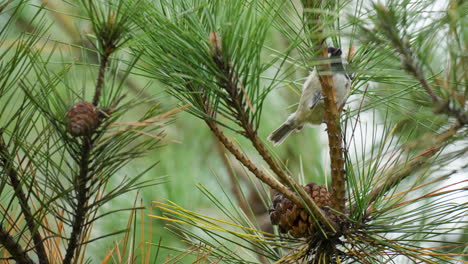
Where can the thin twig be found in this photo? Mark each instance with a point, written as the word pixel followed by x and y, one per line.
pixel 414 69
pixel 5 5
pixel 67 26
pixel 108 45
pixel 100 78
pixel 7 162
pixel 311 19
pixel 87 144
pixel 14 248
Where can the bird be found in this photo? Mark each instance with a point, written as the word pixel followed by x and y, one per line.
pixel 310 109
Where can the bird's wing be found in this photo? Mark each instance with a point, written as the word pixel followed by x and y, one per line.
pixel 315 99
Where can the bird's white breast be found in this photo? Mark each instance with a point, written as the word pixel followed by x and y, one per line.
pixel 342 86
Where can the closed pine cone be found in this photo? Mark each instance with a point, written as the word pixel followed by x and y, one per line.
pixel 82 119
pixel 296 220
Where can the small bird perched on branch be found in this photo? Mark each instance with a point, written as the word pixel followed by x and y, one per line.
pixel 311 105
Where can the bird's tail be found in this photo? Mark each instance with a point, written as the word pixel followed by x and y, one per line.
pixel 281 133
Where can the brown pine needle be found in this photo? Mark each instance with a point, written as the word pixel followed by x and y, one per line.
pixel 152 121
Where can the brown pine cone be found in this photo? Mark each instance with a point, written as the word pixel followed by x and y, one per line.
pixel 296 220
pixel 82 119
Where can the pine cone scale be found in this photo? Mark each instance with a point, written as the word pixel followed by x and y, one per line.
pixel 296 220
pixel 82 119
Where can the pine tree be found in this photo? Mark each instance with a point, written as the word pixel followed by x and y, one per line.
pixel 59 148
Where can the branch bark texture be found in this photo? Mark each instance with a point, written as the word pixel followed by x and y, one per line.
pixel 14 248
pixel 332 117
pixel 335 140
pixel 81 192
pixel 100 78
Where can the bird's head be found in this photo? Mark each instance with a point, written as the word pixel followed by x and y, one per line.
pixel 334 52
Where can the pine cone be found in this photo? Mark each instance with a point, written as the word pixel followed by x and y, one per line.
pixel 296 220
pixel 82 119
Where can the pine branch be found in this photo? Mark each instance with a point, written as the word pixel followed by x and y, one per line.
pixel 411 65
pixel 5 5
pixel 100 79
pixel 108 32
pixel 108 41
pixel 7 164
pixel 260 174
pixel 332 117
pixel 68 26
pixel 203 102
pixel 81 191
pixel 241 104
pixel 107 37
pixel 14 248
pixel 312 20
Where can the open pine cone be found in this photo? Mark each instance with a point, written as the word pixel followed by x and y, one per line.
pixel 296 220
pixel 82 119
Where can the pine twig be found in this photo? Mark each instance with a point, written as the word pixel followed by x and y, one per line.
pixel 14 248
pixel 260 174
pixel 312 18
pixel 6 162
pixel 101 74
pixel 67 25
pixel 108 46
pixel 203 102
pixel 82 198
pixel 265 154
pixel 411 65
pixel 238 101
pixel 332 117
pixel 5 5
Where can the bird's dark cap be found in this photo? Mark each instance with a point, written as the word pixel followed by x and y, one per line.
pixel 334 52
